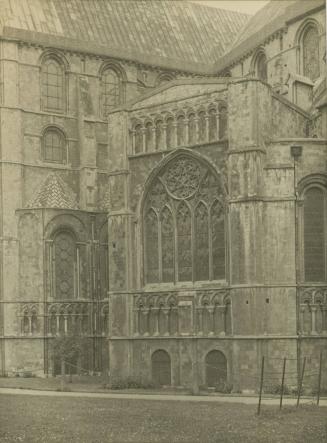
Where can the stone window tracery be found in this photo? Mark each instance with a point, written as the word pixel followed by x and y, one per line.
pixel 315 234
pixel 54 146
pixel 183 217
pixel 112 92
pixel 67 267
pixel 53 85
pixel 310 50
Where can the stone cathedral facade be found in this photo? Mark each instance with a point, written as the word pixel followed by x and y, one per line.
pixel 163 189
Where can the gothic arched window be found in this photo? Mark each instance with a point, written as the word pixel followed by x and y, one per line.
pixel 53 85
pixel 261 66
pixel 310 51
pixel 65 265
pixel 152 258
pixel 112 91
pixel 315 234
pixel 184 224
pixel 54 146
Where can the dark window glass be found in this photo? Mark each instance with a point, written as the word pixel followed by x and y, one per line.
pixel 314 235
pixel 311 53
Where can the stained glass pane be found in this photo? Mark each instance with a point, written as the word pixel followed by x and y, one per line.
pixel 167 245
pixel 53 146
pixel 151 244
pixel 314 235
pixel 53 81
pixel 111 90
pixel 201 243
pixel 65 265
pixel 218 241
pixel 184 243
pixel 311 53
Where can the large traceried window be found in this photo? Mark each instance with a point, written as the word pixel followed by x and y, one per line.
pixel 315 234
pixel 54 146
pixel 112 92
pixel 184 224
pixel 310 52
pixel 53 85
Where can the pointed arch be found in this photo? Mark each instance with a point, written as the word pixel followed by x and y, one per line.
pixel 167 245
pixel 184 242
pixel 180 220
pixel 259 64
pixel 307 41
pixel 217 224
pixel 201 247
pixel 151 246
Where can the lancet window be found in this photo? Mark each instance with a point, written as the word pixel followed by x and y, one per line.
pixel 184 224
pixel 315 234
pixel 67 267
pixel 53 84
pixel 310 52
pixel 112 90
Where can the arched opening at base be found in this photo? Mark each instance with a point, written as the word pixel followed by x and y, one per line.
pixel 161 368
pixel 216 368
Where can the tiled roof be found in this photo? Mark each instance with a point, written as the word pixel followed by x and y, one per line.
pixel 262 18
pixel 271 18
pixel 54 193
pixel 170 29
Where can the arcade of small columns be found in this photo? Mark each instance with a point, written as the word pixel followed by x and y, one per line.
pixel 313 311
pixel 161 315
pixel 67 319
pixel 181 127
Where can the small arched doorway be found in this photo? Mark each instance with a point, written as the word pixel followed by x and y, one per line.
pixel 216 368
pixel 161 368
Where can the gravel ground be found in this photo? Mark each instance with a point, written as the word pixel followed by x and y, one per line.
pixel 62 419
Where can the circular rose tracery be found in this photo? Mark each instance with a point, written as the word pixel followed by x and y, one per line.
pixel 182 179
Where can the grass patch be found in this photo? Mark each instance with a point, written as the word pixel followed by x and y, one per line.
pixel 61 419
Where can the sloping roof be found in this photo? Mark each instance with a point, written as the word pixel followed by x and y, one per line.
pixel 54 193
pixel 271 18
pixel 262 18
pixel 171 29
